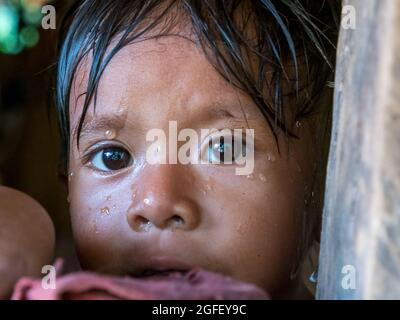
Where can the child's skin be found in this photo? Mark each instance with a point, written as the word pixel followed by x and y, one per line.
pixel 26 238
pixel 245 227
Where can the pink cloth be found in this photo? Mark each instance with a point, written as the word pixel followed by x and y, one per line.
pixel 196 284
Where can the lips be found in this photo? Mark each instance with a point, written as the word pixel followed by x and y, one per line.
pixel 162 267
pixel 150 273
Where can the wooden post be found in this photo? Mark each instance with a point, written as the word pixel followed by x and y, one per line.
pixel 360 249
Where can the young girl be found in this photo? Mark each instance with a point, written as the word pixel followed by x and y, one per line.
pixel 129 67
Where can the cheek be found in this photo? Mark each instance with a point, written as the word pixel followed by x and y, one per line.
pixel 259 222
pixel 98 219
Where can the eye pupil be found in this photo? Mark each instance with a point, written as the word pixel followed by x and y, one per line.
pixel 115 158
pixel 220 147
pixel 219 150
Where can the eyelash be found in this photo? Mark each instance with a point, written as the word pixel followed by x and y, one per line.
pixel 207 143
pixel 90 154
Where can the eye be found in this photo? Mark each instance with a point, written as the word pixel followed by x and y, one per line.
pixel 111 159
pixel 224 149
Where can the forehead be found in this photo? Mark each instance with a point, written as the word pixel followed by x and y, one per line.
pixel 163 77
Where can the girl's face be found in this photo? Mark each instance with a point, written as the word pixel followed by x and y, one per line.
pixel 129 215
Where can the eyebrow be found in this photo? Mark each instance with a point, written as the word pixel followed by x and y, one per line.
pixel 93 125
pixel 218 111
pixel 221 111
pixel 101 123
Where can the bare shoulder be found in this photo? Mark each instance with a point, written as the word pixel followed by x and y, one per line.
pixel 27 238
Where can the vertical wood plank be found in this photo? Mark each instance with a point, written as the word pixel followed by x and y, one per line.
pixel 361 222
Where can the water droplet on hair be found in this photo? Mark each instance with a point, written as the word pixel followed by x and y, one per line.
pixel 105 211
pixel 110 134
pixel 298 124
pixel 314 277
pixel 312 194
pixel 262 177
pixel 250 177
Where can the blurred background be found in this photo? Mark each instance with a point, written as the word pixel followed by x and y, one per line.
pixel 28 130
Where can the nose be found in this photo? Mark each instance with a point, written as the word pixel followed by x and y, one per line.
pixel 163 201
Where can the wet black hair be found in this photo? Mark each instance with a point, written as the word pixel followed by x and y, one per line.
pixel 292 41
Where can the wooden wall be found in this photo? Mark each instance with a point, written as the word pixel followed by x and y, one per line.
pixel 360 249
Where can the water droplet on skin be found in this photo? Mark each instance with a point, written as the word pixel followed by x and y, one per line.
pixel 105 211
pixel 209 184
pixel 95 229
pixel 70 175
pixel 121 110
pixel 108 198
pixel 250 177
pixel 134 192
pixel 110 134
pixel 240 229
pixel 145 226
pixel 148 226
pixel 68 199
pixel 146 201
pixel 271 157
pixel 262 177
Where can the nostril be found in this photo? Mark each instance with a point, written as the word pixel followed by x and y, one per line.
pixel 177 220
pixel 140 223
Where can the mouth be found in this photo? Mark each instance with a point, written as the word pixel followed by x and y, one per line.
pixel 162 268
pixel 161 273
